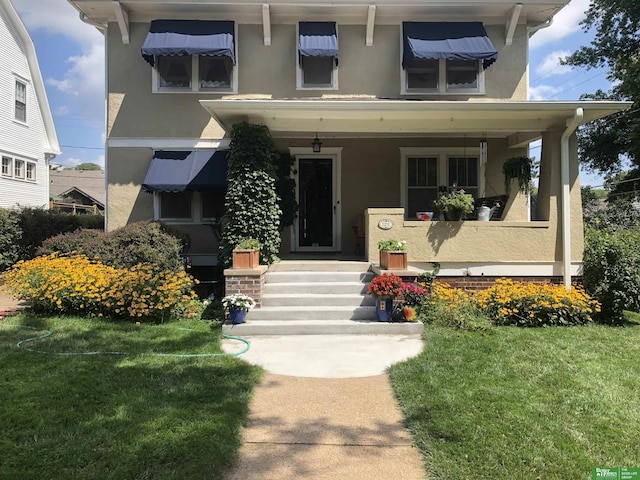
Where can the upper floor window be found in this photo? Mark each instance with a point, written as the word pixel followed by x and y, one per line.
pixel 31 171
pixel 21 101
pixel 317 60
pixel 192 55
pixel 7 167
pixel 18 168
pixel 445 57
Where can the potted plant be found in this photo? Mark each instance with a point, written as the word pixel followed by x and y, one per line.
pixel 413 297
pixel 393 254
pixel 454 205
pixel 247 254
pixel 385 288
pixel 520 168
pixel 238 305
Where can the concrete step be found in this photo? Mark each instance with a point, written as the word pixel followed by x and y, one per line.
pixel 316 300
pixel 328 288
pixel 322 277
pixel 321 327
pixel 319 266
pixel 330 313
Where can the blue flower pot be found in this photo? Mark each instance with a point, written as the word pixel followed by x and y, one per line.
pixel 237 316
pixel 384 309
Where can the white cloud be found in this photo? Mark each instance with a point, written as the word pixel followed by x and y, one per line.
pixel 84 79
pixel 70 161
pixel 543 92
pixel 100 161
pixel 62 111
pixel 550 66
pixel 564 24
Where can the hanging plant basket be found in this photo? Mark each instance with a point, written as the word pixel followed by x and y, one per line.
pixel 520 168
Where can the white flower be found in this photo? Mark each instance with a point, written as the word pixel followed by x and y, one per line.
pixel 238 301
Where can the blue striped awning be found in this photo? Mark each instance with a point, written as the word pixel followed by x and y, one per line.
pixel 189 37
pixel 318 39
pixel 447 40
pixel 179 171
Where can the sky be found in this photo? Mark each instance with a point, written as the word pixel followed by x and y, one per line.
pixel 71 58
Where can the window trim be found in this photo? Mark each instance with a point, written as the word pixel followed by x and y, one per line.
pixel 195 76
pixel 34 167
pixel 443 154
pixel 15 100
pixel 299 76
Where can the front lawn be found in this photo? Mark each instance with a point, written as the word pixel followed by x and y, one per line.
pixel 548 403
pixel 133 416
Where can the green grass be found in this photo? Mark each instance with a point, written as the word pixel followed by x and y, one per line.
pixel 133 416
pixel 549 403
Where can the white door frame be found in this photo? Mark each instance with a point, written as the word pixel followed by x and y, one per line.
pixel 335 154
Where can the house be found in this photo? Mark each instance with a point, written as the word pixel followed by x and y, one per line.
pixel 28 139
pixel 77 191
pixel 381 103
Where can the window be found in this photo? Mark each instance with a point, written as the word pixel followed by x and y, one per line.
pixel 189 207
pixel 317 72
pixel 443 76
pixel 426 170
pixel 175 205
pixel 174 72
pixel 21 101
pixel 31 171
pixel 213 74
pixel 18 168
pixel 7 167
pixel 317 56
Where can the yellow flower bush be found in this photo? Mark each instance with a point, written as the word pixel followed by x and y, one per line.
pixel 530 305
pixel 76 284
pixel 515 303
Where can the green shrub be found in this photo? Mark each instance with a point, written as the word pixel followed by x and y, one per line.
pixel 252 209
pixel 611 272
pixel 140 242
pixel 38 224
pixel 249 244
pixel 10 234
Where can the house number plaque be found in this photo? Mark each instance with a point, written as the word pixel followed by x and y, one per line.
pixel 385 224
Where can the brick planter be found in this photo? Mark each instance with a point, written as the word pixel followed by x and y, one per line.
pixel 249 281
pixel 248 258
pixel 393 260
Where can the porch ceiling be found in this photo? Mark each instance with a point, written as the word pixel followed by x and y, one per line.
pixel 348 118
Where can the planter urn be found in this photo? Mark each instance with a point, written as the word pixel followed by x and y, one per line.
pixel 237 316
pixel 384 309
pixel 393 260
pixel 246 258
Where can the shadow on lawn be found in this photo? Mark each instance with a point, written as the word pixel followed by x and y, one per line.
pixel 119 417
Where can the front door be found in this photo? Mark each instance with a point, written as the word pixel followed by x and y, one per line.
pixel 315 229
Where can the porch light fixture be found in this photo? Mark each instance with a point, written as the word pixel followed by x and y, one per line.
pixel 483 152
pixel 316 144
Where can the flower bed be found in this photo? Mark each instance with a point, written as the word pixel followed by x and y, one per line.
pixel 75 284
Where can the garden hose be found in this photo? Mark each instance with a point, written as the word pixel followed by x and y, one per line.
pixel 21 345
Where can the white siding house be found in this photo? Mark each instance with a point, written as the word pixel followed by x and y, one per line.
pixel 28 137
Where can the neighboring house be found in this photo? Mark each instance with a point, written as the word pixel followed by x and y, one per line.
pixel 28 139
pixel 78 191
pixel 404 97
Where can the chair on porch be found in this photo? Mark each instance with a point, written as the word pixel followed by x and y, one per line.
pixel 358 231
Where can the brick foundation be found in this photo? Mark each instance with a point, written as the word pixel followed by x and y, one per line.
pixel 249 281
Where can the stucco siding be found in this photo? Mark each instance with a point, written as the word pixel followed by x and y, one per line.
pixel 134 111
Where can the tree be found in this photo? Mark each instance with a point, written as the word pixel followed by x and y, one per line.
pixel 606 143
pixel 88 166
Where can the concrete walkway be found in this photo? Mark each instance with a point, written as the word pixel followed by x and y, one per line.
pixel 306 424
pixel 9 305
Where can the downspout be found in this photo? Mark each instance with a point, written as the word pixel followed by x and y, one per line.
pixel 565 194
